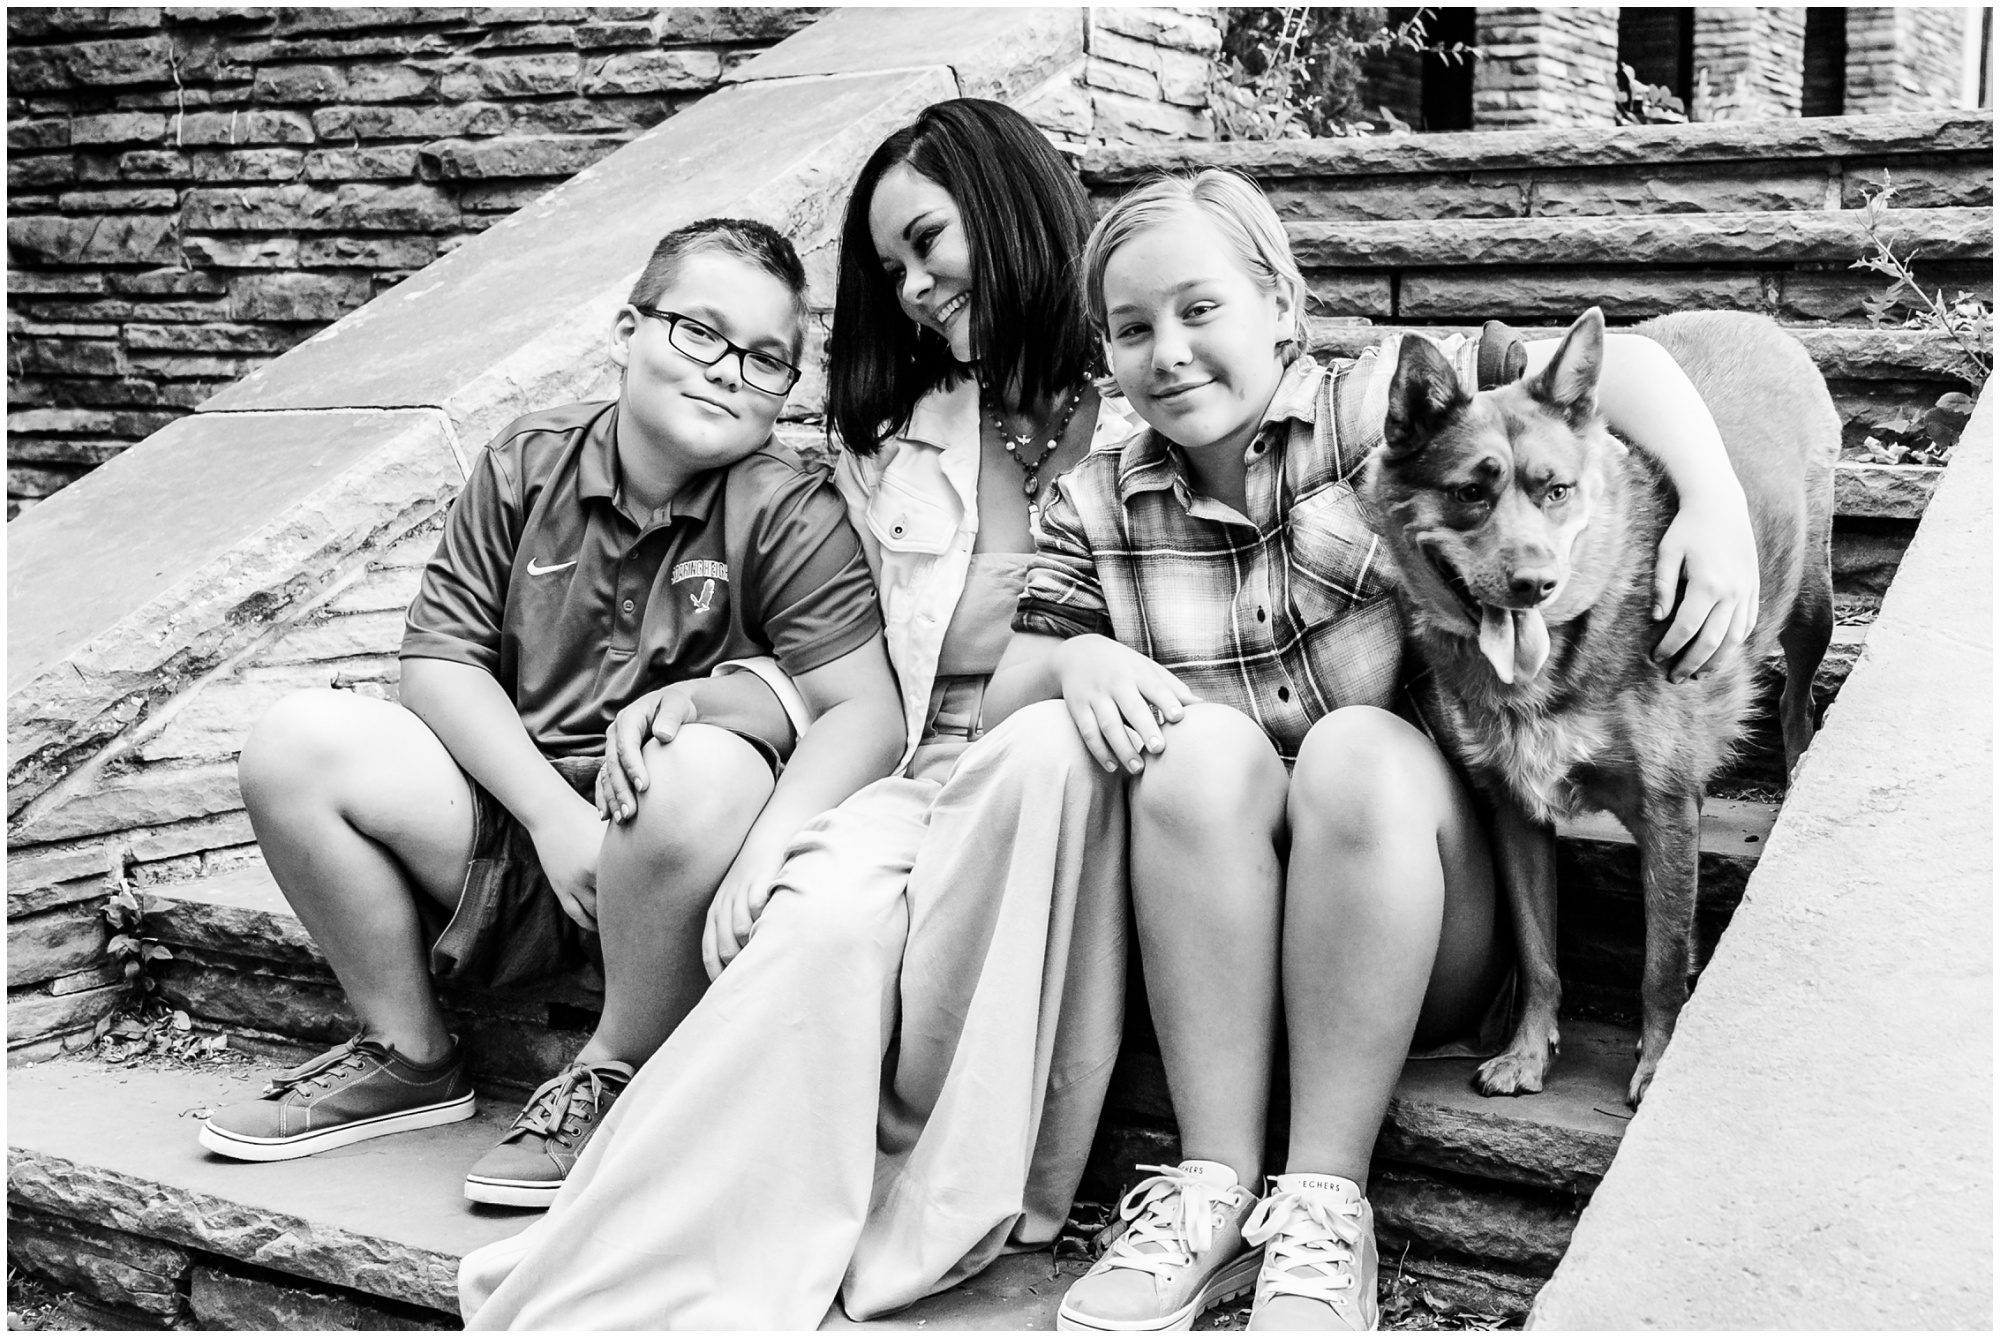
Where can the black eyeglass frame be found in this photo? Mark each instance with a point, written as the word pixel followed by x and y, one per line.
pixel 673 321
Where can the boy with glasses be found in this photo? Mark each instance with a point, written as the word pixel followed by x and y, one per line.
pixel 598 552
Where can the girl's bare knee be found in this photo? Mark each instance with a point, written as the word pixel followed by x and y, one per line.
pixel 1362 768
pixel 1217 769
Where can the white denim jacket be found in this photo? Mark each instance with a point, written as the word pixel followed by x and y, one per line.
pixel 915 504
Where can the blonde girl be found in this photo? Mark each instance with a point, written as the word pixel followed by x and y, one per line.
pixel 1206 604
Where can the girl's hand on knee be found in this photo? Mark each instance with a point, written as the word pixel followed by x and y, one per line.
pixel 1117 699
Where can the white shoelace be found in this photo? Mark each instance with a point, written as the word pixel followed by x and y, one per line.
pixel 1176 1212
pixel 1309 1242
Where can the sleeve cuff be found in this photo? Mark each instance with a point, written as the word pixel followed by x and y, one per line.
pixel 1055 620
pixel 1502 355
pixel 852 637
pixel 433 646
pixel 780 684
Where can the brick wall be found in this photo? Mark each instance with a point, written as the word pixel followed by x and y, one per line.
pixel 1754 59
pixel 1903 59
pixel 191 192
pixel 1543 66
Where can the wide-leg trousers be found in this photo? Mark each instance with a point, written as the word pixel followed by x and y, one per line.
pixel 899 1076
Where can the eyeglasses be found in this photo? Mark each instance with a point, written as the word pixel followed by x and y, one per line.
pixel 761 371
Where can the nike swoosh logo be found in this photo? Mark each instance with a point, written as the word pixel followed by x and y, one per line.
pixel 534 570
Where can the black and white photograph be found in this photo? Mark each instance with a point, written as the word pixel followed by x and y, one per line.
pixel 1119 669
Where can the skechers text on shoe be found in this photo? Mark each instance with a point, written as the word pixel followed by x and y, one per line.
pixel 526 1169
pixel 1181 1252
pixel 1318 1234
pixel 359 1090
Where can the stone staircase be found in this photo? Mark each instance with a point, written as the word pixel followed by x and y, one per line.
pixel 1476 1198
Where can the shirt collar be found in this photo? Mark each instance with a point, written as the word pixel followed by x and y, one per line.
pixel 597 459
pixel 597 474
pixel 1149 462
pixel 948 415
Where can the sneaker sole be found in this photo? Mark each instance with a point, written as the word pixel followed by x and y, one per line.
pixel 243 1147
pixel 1230 1282
pixel 512 1193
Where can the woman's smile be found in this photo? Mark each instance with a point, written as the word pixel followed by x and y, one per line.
pixel 920 242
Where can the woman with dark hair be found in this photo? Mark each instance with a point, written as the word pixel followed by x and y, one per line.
pixel 898 1069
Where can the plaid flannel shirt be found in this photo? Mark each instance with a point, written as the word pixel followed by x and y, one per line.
pixel 1284 614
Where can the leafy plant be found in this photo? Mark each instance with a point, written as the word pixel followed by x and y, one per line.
pixel 1641 103
pixel 145 1022
pixel 1967 319
pixel 1295 72
pixel 1928 437
pixel 132 950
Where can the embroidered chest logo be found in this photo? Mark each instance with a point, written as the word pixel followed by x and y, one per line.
pixel 708 573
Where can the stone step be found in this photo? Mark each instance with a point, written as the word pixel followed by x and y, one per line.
pixel 107 1154
pixel 1835 236
pixel 365 1237
pixel 1796 266
pixel 1933 158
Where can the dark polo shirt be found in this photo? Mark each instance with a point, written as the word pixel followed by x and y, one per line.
pixel 546 581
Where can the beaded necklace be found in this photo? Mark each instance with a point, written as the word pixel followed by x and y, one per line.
pixel 1052 434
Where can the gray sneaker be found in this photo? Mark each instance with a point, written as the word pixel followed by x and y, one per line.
pixel 526 1169
pixel 359 1090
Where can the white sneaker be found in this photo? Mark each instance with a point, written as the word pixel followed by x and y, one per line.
pixel 1182 1253
pixel 1318 1234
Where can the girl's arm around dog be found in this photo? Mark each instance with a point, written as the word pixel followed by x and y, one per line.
pixel 1647 399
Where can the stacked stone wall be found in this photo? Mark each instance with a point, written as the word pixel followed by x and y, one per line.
pixel 1143 77
pixel 1904 58
pixel 192 192
pixel 1754 60
pixel 1542 66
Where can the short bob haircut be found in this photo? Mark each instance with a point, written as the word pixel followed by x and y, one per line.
pixel 1237 209
pixel 1026 218
pixel 756 244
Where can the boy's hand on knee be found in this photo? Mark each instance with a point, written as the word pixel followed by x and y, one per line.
pixel 1117 699
pixel 622 777
pixel 568 848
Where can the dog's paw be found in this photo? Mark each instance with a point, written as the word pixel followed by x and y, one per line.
pixel 1512 1074
pixel 1642 1075
pixel 1642 1078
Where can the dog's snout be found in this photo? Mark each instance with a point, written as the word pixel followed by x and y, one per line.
pixel 1532 587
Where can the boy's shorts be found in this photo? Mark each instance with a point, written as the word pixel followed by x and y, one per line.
pixel 509 928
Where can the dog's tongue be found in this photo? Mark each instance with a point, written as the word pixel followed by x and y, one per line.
pixel 1514 641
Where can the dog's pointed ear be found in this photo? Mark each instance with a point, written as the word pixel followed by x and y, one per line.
pixel 1423 393
pixel 1569 383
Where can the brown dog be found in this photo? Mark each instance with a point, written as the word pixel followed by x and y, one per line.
pixel 1523 536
